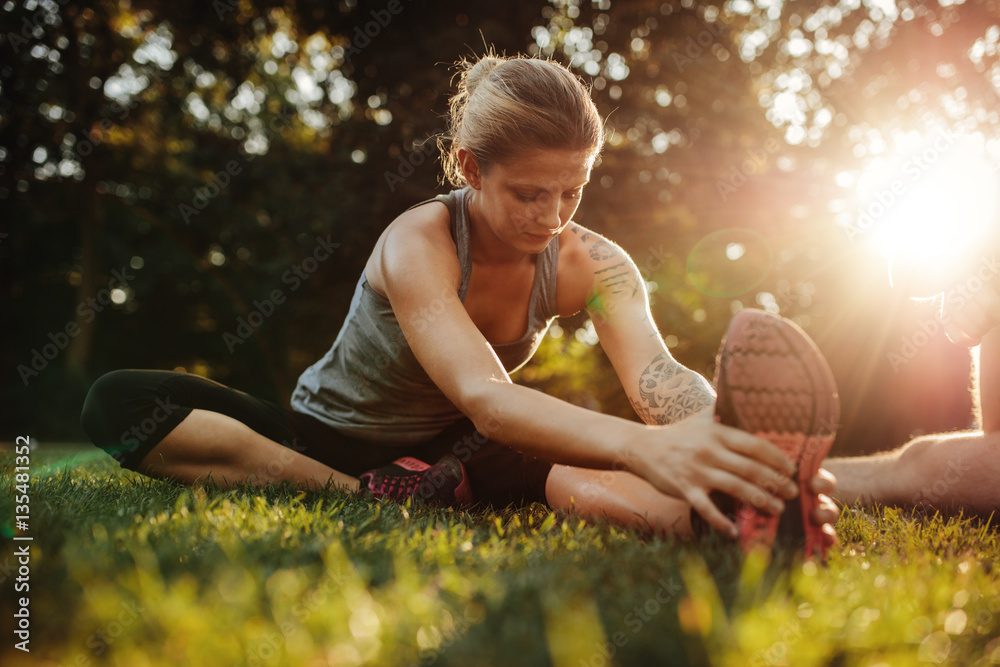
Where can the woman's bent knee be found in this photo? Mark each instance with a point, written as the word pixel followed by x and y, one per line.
pixel 124 413
pixel 102 401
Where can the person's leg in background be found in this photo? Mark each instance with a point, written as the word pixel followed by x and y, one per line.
pixel 170 425
pixel 949 471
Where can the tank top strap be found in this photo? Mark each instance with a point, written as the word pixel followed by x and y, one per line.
pixel 548 267
pixel 460 232
pixel 458 215
pixel 446 199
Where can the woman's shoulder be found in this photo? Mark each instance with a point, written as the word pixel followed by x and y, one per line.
pixel 429 218
pixel 411 236
pixel 586 246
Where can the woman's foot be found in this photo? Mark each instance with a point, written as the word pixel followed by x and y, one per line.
pixel 773 381
pixel 445 483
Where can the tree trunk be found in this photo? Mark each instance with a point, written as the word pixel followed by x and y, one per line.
pixel 80 345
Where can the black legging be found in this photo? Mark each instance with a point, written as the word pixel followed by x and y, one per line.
pixel 128 412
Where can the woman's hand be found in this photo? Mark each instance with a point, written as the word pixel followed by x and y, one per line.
pixel 826 513
pixel 693 458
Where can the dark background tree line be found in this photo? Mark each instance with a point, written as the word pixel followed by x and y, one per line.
pixel 197 185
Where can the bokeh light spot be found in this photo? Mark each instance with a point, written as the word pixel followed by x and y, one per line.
pixel 729 262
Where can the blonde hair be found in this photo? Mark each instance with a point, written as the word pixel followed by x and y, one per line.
pixel 508 106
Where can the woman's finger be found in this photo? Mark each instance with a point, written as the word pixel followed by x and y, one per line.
pixel 756 448
pixel 770 480
pixel 739 488
pixel 712 515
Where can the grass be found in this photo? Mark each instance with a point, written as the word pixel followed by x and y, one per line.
pixel 129 571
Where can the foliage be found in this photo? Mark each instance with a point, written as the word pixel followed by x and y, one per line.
pixel 205 147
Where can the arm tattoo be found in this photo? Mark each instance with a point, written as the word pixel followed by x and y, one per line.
pixel 668 392
pixel 618 278
pixel 600 249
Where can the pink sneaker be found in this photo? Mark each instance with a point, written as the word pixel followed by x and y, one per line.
pixel 773 381
pixel 444 483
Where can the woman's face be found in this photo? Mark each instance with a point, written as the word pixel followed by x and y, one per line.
pixel 529 200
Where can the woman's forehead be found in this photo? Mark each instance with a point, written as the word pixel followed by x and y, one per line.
pixel 567 167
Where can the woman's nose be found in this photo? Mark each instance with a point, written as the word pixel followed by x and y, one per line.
pixel 548 214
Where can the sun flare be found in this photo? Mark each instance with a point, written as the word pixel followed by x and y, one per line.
pixel 931 209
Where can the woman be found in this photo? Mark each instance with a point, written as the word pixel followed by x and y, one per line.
pixel 457 293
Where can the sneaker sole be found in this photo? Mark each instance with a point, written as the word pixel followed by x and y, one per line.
pixel 773 381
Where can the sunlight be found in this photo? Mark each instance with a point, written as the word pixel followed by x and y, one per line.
pixel 929 209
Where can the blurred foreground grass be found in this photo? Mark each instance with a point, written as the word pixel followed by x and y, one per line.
pixel 130 571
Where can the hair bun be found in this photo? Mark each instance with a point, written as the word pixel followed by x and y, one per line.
pixel 478 71
pixel 533 104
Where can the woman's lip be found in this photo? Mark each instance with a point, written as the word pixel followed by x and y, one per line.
pixel 540 237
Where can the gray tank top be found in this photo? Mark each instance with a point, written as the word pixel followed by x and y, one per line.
pixel 370 386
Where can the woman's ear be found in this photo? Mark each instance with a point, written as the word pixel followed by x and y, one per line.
pixel 470 168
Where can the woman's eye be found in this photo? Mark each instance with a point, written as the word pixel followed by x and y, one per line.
pixel 527 198
pixel 574 195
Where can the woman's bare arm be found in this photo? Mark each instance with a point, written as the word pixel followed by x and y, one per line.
pixel 687 460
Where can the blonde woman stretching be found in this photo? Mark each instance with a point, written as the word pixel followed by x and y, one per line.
pixel 414 398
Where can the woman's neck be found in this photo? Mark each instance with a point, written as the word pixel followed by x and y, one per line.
pixel 485 247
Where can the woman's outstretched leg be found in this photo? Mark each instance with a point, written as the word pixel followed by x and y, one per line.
pixel 189 428
pixel 209 445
